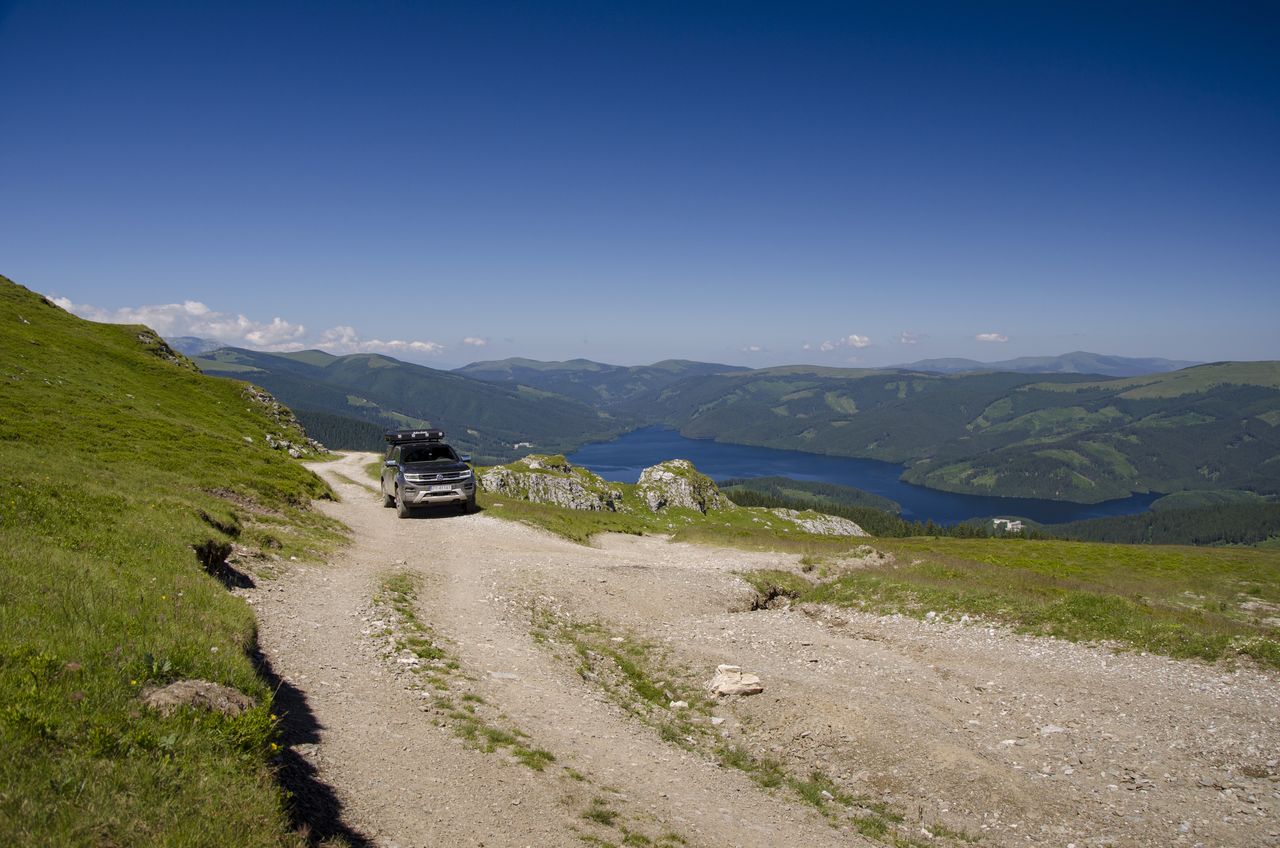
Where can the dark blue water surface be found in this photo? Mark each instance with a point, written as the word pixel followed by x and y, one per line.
pixel 624 458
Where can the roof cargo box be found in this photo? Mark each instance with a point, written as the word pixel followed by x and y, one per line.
pixel 399 437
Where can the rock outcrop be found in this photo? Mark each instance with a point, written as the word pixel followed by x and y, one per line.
pixel 284 418
pixel 819 523
pixel 552 480
pixel 676 483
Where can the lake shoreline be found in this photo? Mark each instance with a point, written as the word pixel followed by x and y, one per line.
pixel 621 460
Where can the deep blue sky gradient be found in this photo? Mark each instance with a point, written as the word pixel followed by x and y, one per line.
pixel 630 182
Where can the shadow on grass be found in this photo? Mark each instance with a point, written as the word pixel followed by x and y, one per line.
pixel 313 806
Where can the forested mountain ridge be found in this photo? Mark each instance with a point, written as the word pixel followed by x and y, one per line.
pixel 1065 437
pixel 486 419
pixel 594 383
pixel 1075 362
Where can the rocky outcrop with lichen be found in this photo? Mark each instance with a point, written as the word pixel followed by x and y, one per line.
pixel 294 439
pixel 676 483
pixel 552 480
pixel 819 523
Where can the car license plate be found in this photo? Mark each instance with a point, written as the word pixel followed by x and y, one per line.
pixel 444 488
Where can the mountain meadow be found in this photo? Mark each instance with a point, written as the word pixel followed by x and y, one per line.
pixel 128 476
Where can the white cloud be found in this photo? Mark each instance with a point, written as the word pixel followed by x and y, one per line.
pixel 854 341
pixel 991 337
pixel 806 346
pixel 753 349
pixel 193 318
pixel 345 339
pixel 475 341
pixel 857 341
pixel 907 338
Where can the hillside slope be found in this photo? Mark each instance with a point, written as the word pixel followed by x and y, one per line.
pixel 1065 437
pixel 1076 362
pixel 593 383
pixel 118 458
pixel 486 419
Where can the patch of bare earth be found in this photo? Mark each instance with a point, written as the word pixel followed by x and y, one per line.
pixel 958 729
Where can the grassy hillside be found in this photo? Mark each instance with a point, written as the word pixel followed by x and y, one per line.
pixel 485 419
pixel 593 383
pixel 118 458
pixel 1202 603
pixel 1064 437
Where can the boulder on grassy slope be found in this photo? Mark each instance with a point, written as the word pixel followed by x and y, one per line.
pixel 676 483
pixel 201 694
pixel 552 480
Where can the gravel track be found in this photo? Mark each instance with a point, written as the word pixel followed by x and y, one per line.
pixel 1014 740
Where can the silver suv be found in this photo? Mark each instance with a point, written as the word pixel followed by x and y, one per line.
pixel 420 469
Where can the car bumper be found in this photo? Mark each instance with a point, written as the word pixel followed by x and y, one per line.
pixel 421 496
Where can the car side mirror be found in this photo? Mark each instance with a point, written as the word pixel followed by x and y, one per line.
pixel 466 457
pixel 390 463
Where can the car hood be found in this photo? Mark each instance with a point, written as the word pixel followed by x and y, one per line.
pixel 435 467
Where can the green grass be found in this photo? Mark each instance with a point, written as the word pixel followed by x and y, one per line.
pixel 574 525
pixel 1179 601
pixel 111 455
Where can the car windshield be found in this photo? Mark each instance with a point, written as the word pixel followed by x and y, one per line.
pixel 428 453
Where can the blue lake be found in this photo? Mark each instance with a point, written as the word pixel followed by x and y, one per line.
pixel 622 460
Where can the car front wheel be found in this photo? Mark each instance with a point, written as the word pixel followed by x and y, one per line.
pixel 402 508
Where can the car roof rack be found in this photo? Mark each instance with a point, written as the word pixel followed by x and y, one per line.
pixel 399 437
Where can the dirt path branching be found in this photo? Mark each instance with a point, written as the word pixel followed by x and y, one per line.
pixel 478 682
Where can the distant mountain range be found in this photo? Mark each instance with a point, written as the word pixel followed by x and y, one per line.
pixel 353 399
pixel 1076 362
pixel 1070 437
pixel 593 382
pixel 1061 428
pixel 192 345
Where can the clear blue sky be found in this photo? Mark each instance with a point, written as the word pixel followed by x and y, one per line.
pixel 629 182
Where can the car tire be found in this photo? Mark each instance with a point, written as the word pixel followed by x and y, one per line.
pixel 388 500
pixel 402 509
pixel 469 506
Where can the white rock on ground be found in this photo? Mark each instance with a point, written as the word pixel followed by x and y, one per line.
pixel 731 680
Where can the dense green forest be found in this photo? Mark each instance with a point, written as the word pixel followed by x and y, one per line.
pixel 846 502
pixel 832 493
pixel 1223 524
pixel 337 432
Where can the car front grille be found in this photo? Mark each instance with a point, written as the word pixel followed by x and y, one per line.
pixel 445 477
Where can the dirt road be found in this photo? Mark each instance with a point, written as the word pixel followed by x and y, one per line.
pixel 941 733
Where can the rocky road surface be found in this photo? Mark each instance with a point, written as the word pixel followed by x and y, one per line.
pixel 962 731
